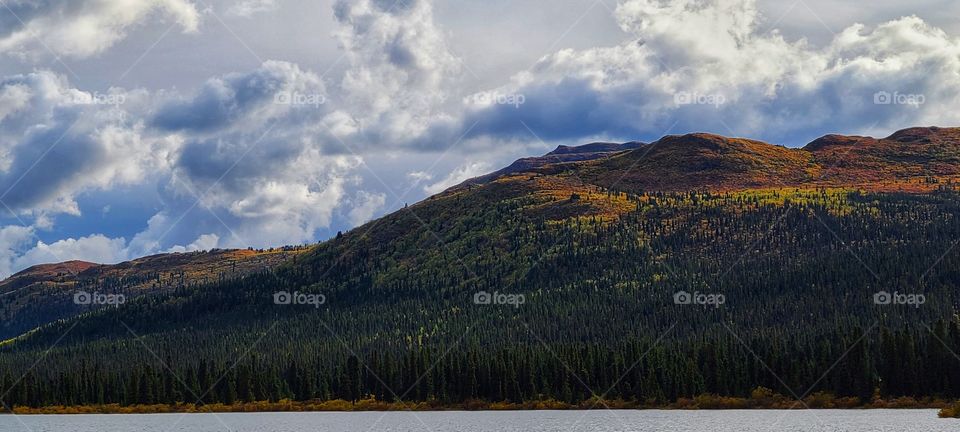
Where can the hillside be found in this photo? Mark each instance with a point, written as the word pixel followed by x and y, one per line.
pixel 583 258
pixel 45 293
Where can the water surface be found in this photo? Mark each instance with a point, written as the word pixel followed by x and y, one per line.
pixel 500 421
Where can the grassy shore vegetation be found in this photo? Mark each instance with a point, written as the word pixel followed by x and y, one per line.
pixel 951 410
pixel 760 398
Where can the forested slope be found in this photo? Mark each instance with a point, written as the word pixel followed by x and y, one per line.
pixel 584 261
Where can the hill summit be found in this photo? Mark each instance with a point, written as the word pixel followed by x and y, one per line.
pixel 906 160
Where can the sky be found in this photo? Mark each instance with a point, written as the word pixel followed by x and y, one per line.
pixel 135 127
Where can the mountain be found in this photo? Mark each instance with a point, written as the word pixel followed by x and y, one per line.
pixel 561 154
pixel 703 161
pixel 695 264
pixel 914 153
pixel 902 161
pixel 45 293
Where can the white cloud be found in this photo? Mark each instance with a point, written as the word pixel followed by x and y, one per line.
pixel 43 221
pixel 13 98
pixel 457 176
pixel 417 177
pixel 400 68
pixel 277 92
pixel 248 8
pixel 158 232
pixel 287 208
pixel 255 154
pixel 365 205
pixel 203 243
pixel 246 147
pixel 95 248
pixel 716 50
pixel 17 254
pixel 12 240
pixel 58 141
pixel 83 28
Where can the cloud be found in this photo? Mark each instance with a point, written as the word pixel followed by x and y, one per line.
pixel 254 153
pixel 400 68
pixel 245 157
pixel 248 8
pixel 256 158
pixel 13 98
pixel 417 177
pixel 17 254
pixel 365 205
pixel 83 28
pixel 457 176
pixel 95 248
pixel 203 243
pixel 160 229
pixel 274 91
pixel 12 239
pixel 57 141
pixel 685 56
pixel 688 65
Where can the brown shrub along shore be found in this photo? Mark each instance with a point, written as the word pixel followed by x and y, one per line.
pixel 761 398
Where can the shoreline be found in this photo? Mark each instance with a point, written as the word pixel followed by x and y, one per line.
pixel 705 402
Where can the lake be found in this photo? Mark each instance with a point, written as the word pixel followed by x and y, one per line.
pixel 500 421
